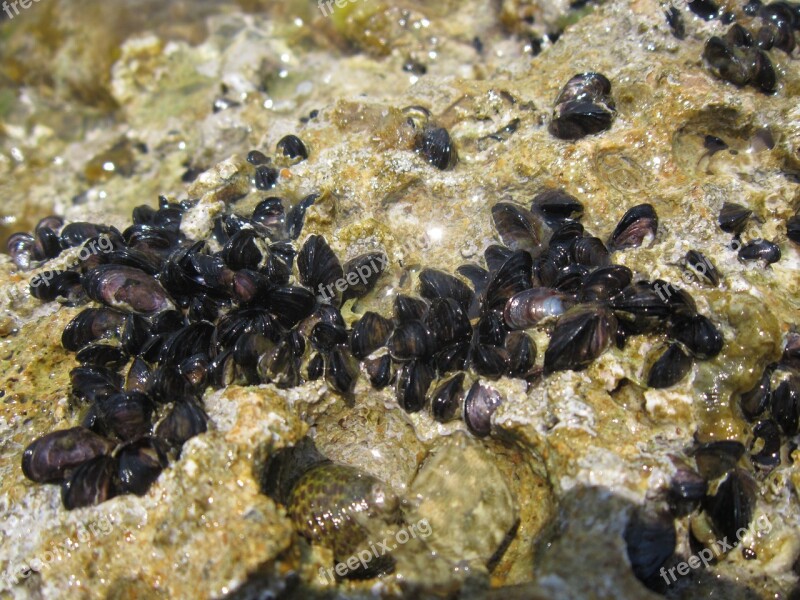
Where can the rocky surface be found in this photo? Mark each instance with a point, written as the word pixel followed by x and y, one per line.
pixel 102 110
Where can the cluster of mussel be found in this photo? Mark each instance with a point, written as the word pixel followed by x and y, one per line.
pixel 733 218
pixel 741 55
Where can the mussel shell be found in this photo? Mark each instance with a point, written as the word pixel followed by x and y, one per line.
pixel 731 507
pixel 714 459
pixel 126 415
pixel 785 405
pixel 591 252
pixel 296 216
pixel 529 307
pixel 188 341
pixel 513 277
pixel 480 404
pixel 454 357
pixel 769 454
pixel 325 336
pixel 434 144
pixel 489 361
pixel 697 333
pixel 102 355
pixel 139 377
pixel 52 456
pixel 726 61
pixel 126 288
pixel 245 249
pixel 93 383
pixel 435 284
pixel 478 276
pixel 522 354
pixel 64 284
pixel 342 371
pixel 739 36
pixel 447 397
pixel 676 23
pixel 755 401
pixel 649 541
pixel 495 256
pixel 702 267
pixel 289 304
pixel 137 333
pixel 316 367
pixel 75 234
pixel 585 86
pixel 46 244
pixel 670 367
pixel 379 370
pixel 139 465
pixel 370 333
pixel 520 229
pixel 20 247
pixel 605 283
pixel 410 340
pixel 687 489
pixel 266 177
pixel 364 270
pixel 556 206
pixel 576 119
pixel 271 214
pixel 447 322
pixel 793 229
pixel 581 335
pixel 413 380
pixel 89 325
pixel 636 224
pixel 90 484
pixel 293 147
pixel 491 330
pixel 184 421
pixel 733 217
pixel 407 308
pixel 764 250
pixel 318 266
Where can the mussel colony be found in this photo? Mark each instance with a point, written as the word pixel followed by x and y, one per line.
pixel 259 304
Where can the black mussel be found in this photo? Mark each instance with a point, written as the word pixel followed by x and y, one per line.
pixel 185 342
pixel 520 229
pixel 447 397
pixel 77 233
pixel 169 385
pixel 581 335
pixel 733 217
pixel 556 206
pixel 550 265
pixel 137 333
pixel 266 177
pixel 319 269
pixel 765 37
pixel 766 447
pixel 649 540
pixel 793 229
pixel 495 256
pixel 591 252
pixel 379 370
pixel 522 354
pixel 289 304
pixel 126 415
pixel 702 267
pixel 755 401
pixel 342 371
pixel 791 351
pixel 438 284
pixel 325 336
pixel 513 277
pixel 362 273
pixel 50 285
pixel 781 31
pixel 20 247
pixel 296 216
pixel 234 324
pixel 570 279
pixel 436 147
pixel 584 107
pixel 760 249
pixel 407 308
pixel 249 287
pixel 478 276
pixel 752 7
pixel 222 370
pixel 727 62
pixel 714 144
pixel 705 9
pixel 764 76
pixel 731 507
pixel 636 225
pixel 641 308
pixel 479 405
pixel 714 459
pixel 370 333
pixel 697 333
pixel 605 283
pixel 150 263
pixel 52 456
pixel 89 325
pixel 785 405
pixel 149 238
pixel 93 383
pixel 293 147
pixel 185 420
pixel 256 157
pixel 687 489
pixel 410 340
pixel 46 244
pixel 566 233
pixel 245 249
pixel 413 380
pixel 672 365
pixel 90 484
pixel 676 22
pixel 140 464
pixel 248 350
pixel 102 355
pixel 194 369
pixel 316 367
pixel 489 361
pixel 139 377
pixel 168 321
pixel 447 322
pixel 454 357
pixel 738 36
pixel 679 300
pixel 127 289
pixel 271 214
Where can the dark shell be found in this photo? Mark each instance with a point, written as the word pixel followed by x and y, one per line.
pixel 93 383
pixel 733 217
pixel 584 107
pixel 379 370
pixel 256 157
pixel 581 335
pixel 188 341
pixel 52 456
pixel 126 288
pixel 489 361
pixel 727 62
pixel 641 307
pixel 705 9
pixel 676 23
pixel 791 352
pixel 649 540
pixel 316 367
pixel 785 405
pixel 714 459
pixel 793 229
pixel 764 75
pixel 512 278
pixel 184 421
pixel 318 267
pixel 271 214
pixel 325 336
pixel 89 325
pixel 495 256
pixel 292 146
pixel 478 276
pixel 711 142
pixel 63 284
pixel 605 283
pixel 413 380
pixel 296 216
pixel 370 333
pixel 767 442
pixel 90 484
pixel 447 397
pixel 566 233
pixel 698 334
pixel 764 250
pixel 435 146
pixel 245 249
pixel 672 366
pixel 522 352
pixel 289 304
pixel 491 330
pixel 362 273
pixel 410 340
pixel 137 332
pixel 407 309
pixel 46 244
pixel 447 322
pixel 126 415
pixel 591 252
pixel 20 247
pixel 77 233
pixel 342 371
pixel 520 229
pixel 454 357
pixel 438 284
pixel 738 36
pixel 731 508
pixel 139 378
pixel 686 490
pixel 266 177
pixel 636 224
pixel 556 206
pixel 755 401
pixel 140 464
pixel 479 406
pixel 102 355
pixel 702 267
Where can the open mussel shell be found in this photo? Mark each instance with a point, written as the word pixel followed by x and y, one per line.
pixel 637 224
pixel 90 484
pixel 732 505
pixel 714 459
pixel 447 397
pixel 581 335
pixel 649 541
pixel 435 146
pixel 126 288
pixel 733 217
pixel 520 229
pixel 52 456
pixel 139 465
pixel 413 380
pixel 671 366
pixel 480 404
pixel 529 307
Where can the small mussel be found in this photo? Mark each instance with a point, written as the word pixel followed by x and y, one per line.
pixel 90 484
pixel 556 206
pixel 714 459
pixel 697 333
pixel 637 224
pixel 20 247
pixel 447 397
pixel 785 405
pixel 413 380
pixel 292 147
pixel 731 507
pixel 89 325
pixel 126 288
pixel 480 404
pixel 672 366
pixel 434 144
pixel 520 229
pixel 760 249
pixel 126 415
pixel 733 217
pixel 52 456
pixel 702 267
pixel 139 465
pixel 584 107
pixel 766 447
pixel 370 333
pixel 649 540
pixel 687 488
pixel 793 229
pixel 581 335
